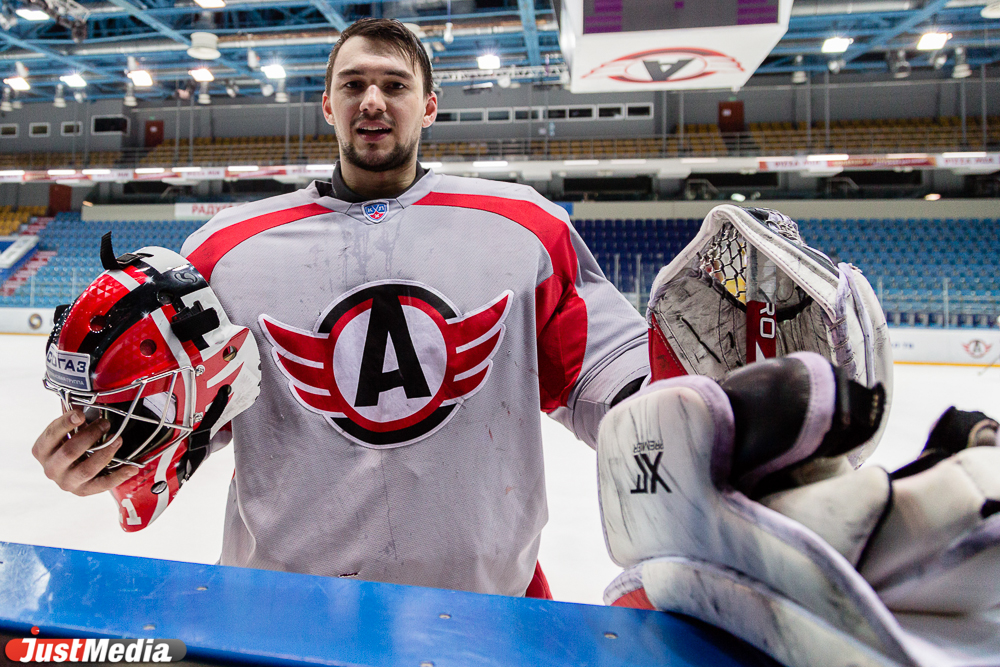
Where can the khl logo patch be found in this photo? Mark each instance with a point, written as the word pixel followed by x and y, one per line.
pixel 375 210
pixel 387 362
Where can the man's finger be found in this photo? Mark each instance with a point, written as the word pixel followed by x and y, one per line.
pixel 88 468
pixel 108 482
pixel 54 433
pixel 77 446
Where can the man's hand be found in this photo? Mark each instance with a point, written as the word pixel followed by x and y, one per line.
pixel 63 455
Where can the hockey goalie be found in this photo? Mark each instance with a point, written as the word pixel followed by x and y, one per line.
pixel 732 491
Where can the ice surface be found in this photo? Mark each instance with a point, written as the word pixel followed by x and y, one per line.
pixel 34 510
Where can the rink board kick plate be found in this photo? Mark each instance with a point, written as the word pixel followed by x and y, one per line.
pixel 235 615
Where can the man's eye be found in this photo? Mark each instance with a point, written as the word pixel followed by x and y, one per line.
pixel 352 84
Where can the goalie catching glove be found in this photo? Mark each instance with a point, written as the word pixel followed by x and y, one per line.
pixel 732 502
pixel 148 347
pixel 747 288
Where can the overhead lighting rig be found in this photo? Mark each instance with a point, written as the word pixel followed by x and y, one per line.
pixel 67 13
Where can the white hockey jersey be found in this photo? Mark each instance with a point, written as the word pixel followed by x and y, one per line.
pixel 407 347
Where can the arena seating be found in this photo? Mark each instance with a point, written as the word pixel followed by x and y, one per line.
pixel 923 270
pixel 77 262
pixel 12 218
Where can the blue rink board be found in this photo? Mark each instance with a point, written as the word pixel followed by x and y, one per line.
pixel 255 616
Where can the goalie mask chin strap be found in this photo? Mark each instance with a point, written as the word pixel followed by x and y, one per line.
pixel 201 437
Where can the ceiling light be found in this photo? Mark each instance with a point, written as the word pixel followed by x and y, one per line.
pixel 210 4
pixel 141 78
pixel 266 89
pixel 32 14
pixel 962 69
pixel 281 97
pixel 906 156
pixel 431 165
pixel 898 65
pixel 836 65
pixel 61 172
pixel 932 41
pixel 991 11
pixel 837 44
pixel 449 35
pixel 185 170
pixel 96 172
pixel 736 196
pixel 274 71
pixel 485 164
pixel 18 83
pixel 79 96
pixel 932 196
pixel 247 167
pixel 74 81
pixel 204 46
pixel 832 157
pixel 203 95
pixel 320 167
pixel 940 60
pixel 488 61
pixel 12 172
pixel 130 100
pixel 202 75
pixel 150 170
pixel 504 81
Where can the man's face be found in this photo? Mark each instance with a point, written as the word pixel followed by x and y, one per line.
pixel 377 105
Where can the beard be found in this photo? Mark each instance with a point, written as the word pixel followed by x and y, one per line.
pixel 398 157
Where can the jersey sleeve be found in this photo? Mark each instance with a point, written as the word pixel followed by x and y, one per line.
pixel 591 340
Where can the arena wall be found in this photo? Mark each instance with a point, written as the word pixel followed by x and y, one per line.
pixel 910 345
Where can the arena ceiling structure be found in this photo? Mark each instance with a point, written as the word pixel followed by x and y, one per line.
pixel 51 50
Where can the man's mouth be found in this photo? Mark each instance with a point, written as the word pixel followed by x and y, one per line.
pixel 373 133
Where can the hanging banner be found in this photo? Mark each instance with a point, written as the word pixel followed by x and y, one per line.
pixel 633 45
pixel 199 211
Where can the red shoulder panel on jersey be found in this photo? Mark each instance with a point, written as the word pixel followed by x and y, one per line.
pixel 207 255
pixel 560 313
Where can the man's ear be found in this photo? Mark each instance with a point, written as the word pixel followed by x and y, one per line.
pixel 328 109
pixel 430 110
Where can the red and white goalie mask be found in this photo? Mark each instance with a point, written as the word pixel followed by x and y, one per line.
pixel 148 347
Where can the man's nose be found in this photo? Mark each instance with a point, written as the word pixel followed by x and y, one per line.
pixel 373 101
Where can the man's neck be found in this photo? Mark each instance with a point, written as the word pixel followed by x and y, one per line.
pixel 378 184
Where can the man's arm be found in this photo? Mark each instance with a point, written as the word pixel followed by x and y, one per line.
pixel 588 332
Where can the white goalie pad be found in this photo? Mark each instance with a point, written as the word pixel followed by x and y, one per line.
pixel 694 545
pixel 751 266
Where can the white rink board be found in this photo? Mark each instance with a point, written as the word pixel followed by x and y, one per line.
pixel 965 347
pixel 26 320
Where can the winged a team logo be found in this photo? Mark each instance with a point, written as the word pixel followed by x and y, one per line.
pixel 388 361
pixel 662 65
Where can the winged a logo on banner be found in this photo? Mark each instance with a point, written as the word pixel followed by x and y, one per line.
pixel 666 65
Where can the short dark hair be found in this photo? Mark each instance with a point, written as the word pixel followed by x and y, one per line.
pixel 394 35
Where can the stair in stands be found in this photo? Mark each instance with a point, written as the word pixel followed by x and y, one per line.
pixel 24 274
